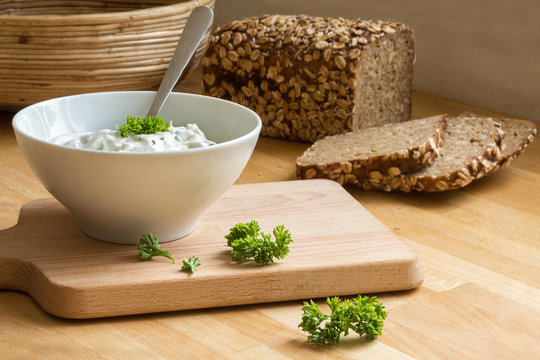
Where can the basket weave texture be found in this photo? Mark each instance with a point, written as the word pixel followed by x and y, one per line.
pixel 57 48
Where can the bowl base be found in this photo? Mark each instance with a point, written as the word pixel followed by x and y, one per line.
pixel 132 238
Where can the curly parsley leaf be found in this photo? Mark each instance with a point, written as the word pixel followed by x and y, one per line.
pixel 149 246
pixel 191 264
pixel 136 125
pixel 363 315
pixel 241 231
pixel 248 242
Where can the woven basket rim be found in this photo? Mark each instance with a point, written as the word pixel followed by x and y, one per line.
pixel 101 18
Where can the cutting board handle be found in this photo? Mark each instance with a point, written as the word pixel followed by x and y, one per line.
pixel 23 243
pixel 24 276
pixel 15 273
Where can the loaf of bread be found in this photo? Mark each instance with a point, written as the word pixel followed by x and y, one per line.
pixel 309 77
pixel 375 155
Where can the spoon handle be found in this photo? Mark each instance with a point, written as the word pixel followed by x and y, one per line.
pixel 196 26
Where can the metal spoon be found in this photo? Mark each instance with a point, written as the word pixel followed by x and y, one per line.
pixel 196 26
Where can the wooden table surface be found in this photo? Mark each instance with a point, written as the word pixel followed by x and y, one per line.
pixel 479 248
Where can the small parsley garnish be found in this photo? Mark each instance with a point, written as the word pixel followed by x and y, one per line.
pixel 136 125
pixel 148 246
pixel 363 315
pixel 191 264
pixel 248 242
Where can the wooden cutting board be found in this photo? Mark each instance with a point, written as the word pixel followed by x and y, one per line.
pixel 339 248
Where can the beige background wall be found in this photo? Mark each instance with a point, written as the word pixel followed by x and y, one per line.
pixel 481 52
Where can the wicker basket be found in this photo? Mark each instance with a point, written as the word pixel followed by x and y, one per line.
pixel 57 48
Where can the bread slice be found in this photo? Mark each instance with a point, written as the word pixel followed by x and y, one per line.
pixel 375 155
pixel 309 77
pixel 471 150
pixel 519 134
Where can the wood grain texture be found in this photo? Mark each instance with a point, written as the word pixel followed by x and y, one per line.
pixel 478 246
pixel 72 275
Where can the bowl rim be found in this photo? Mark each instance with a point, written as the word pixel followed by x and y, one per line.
pixel 254 132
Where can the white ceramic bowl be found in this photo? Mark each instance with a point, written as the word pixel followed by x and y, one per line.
pixel 117 197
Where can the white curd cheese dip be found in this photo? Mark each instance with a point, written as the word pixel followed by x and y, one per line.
pixel 175 138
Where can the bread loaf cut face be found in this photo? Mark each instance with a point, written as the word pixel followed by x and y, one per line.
pixel 310 77
pixel 519 134
pixel 471 150
pixel 373 157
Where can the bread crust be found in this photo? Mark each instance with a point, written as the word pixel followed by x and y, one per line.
pixel 377 172
pixel 507 157
pixel 299 73
pixel 482 165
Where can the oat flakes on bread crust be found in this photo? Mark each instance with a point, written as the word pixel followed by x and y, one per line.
pixel 309 77
pixel 471 150
pixel 519 134
pixel 376 155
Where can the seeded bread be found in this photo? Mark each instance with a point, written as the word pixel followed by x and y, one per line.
pixel 374 155
pixel 309 77
pixel 471 150
pixel 519 134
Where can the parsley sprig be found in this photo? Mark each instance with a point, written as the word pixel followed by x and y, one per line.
pixel 363 315
pixel 136 125
pixel 191 264
pixel 247 241
pixel 149 246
